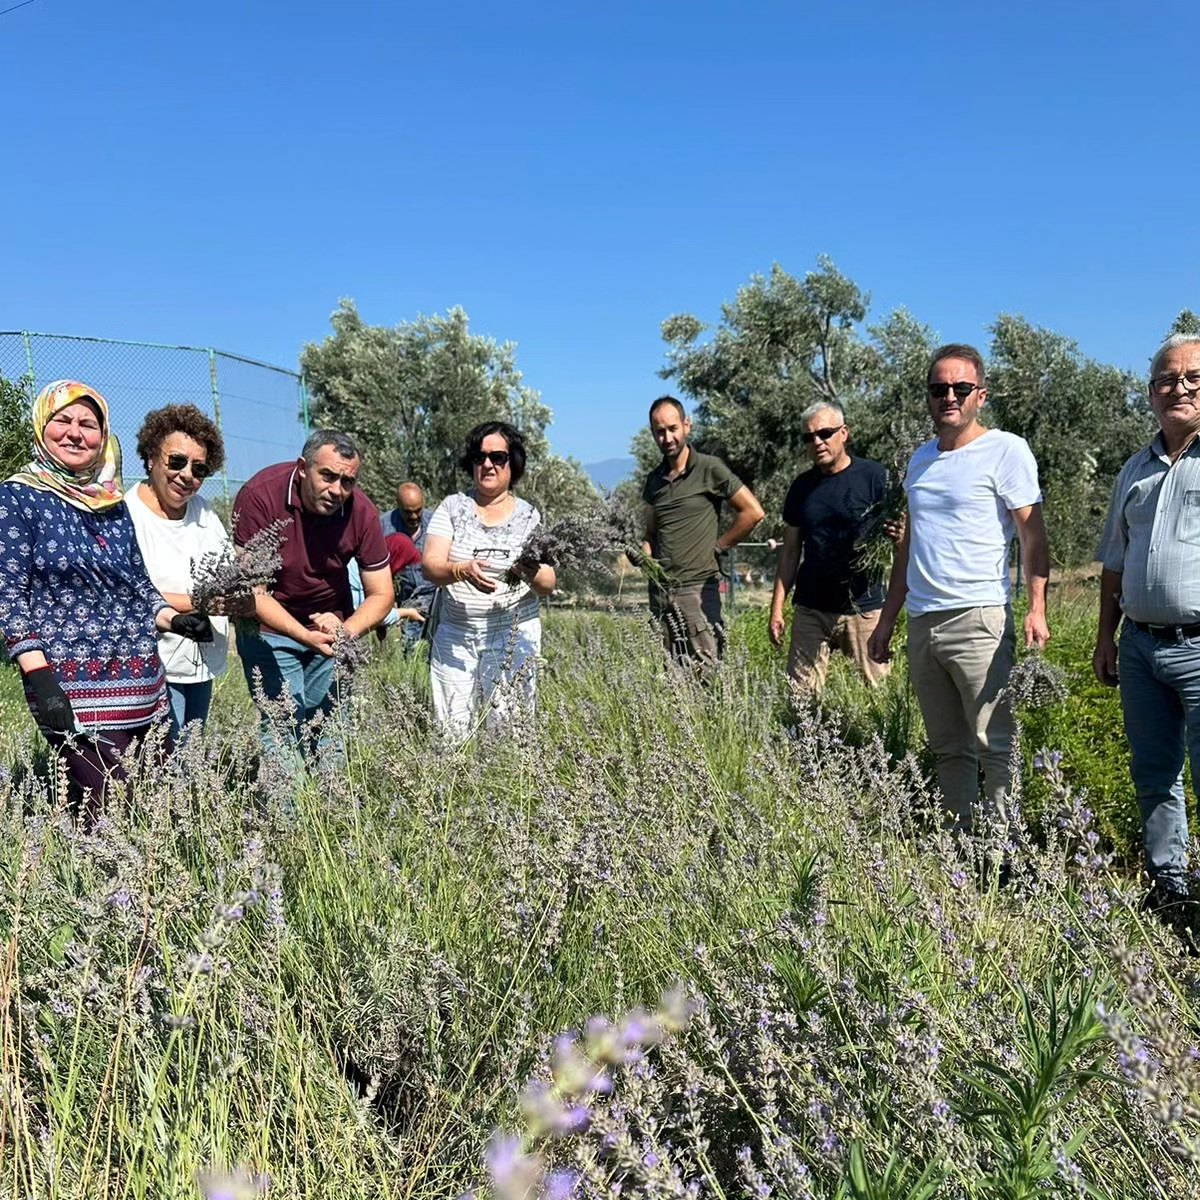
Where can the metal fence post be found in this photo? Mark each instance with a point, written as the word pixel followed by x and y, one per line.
pixel 216 403
pixel 29 360
pixel 304 404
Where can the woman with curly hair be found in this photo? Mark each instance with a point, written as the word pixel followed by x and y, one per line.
pixel 488 627
pixel 180 448
pixel 77 608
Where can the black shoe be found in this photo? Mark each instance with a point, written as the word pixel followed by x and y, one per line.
pixel 1179 912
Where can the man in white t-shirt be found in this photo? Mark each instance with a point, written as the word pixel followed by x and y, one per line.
pixel 969 491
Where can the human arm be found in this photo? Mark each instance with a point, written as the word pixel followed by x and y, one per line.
pixel 378 598
pixel 269 612
pixel 650 531
pixel 785 574
pixel 747 512
pixel 541 580
pixel 1035 559
pixel 879 646
pixel 1104 658
pixel 438 569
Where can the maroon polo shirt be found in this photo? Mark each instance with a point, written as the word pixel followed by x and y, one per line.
pixel 315 550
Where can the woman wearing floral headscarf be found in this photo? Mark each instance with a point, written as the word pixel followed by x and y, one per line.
pixel 77 609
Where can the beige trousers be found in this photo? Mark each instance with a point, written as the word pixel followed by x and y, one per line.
pixel 959 662
pixel 816 633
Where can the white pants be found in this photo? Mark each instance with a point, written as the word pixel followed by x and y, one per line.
pixel 483 668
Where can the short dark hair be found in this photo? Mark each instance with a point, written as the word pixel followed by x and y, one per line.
pixel 963 351
pixel 676 404
pixel 343 443
pixel 160 423
pixel 512 438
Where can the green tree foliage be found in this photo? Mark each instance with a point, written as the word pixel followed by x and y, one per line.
pixel 16 430
pixel 1186 322
pixel 410 393
pixel 1081 418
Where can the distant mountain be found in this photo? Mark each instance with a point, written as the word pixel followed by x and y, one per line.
pixel 609 472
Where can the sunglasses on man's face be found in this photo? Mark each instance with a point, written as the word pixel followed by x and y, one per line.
pixel 498 458
pixel 823 434
pixel 961 390
pixel 200 470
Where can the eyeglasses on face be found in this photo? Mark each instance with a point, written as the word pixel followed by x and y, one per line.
pixel 498 458
pixel 823 434
pixel 177 462
pixel 962 389
pixel 1164 385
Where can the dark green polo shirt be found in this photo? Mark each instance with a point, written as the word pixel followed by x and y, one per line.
pixel 686 511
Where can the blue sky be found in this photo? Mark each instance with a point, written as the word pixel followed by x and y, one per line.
pixel 221 174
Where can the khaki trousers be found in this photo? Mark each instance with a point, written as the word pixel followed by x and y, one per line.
pixel 959 662
pixel 816 633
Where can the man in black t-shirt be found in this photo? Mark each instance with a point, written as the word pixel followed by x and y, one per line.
pixel 827 511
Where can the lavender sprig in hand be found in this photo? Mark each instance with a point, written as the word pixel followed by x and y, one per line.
pixel 236 571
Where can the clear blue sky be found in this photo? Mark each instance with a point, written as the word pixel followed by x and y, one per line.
pixel 220 174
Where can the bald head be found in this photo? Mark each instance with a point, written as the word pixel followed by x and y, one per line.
pixel 410 500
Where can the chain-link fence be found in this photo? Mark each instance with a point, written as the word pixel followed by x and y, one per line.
pixel 260 409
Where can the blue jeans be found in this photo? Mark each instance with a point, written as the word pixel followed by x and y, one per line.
pixel 189 702
pixel 289 670
pixel 1160 698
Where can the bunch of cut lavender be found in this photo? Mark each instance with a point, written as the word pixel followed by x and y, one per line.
pixel 873 550
pixel 1036 683
pixel 583 541
pixel 237 570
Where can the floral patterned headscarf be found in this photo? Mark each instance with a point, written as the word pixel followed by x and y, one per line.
pixel 97 488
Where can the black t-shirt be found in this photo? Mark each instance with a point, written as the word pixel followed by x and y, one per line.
pixel 832 512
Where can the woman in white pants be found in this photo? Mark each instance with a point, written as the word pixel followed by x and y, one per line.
pixel 484 650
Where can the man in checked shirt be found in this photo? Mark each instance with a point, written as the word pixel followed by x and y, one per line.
pixel 1150 554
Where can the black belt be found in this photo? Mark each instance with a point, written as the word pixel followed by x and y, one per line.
pixel 1168 633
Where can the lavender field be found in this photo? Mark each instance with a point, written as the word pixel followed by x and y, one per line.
pixel 663 943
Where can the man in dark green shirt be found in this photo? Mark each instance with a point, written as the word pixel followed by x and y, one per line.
pixel 683 496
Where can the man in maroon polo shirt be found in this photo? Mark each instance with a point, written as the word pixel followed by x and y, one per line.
pixel 328 524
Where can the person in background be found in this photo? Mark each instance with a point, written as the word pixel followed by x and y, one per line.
pixel 488 632
pixel 78 610
pixel 402 556
pixel 827 511
pixel 683 497
pixel 180 448
pixel 1150 557
pixel 326 525
pixel 970 491
pixel 411 518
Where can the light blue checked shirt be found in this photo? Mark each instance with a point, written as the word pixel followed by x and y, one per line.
pixel 1152 535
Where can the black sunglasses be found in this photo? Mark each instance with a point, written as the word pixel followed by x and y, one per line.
pixel 498 458
pixel 961 390
pixel 823 434
pixel 200 470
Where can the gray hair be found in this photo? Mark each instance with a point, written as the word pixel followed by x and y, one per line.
pixel 1172 343
pixel 342 443
pixel 821 406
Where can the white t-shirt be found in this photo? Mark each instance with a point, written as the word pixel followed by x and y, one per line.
pixel 960 506
pixel 497 547
pixel 171 550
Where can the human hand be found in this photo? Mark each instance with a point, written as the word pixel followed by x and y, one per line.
pixel 474 573
pixel 775 627
pixel 318 640
pixel 53 706
pixel 1104 662
pixel 195 626
pixel 879 647
pixel 1037 632
pixel 328 623
pixel 894 530
pixel 411 614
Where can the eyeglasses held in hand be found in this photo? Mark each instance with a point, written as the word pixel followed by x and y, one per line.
pixel 200 470
pixel 498 458
pixel 1164 385
pixel 962 389
pixel 823 434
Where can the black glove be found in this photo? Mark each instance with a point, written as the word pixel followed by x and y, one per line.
pixel 192 625
pixel 53 708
